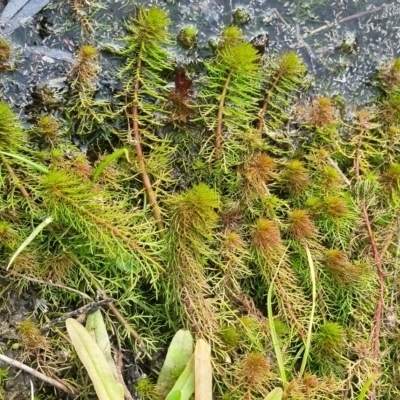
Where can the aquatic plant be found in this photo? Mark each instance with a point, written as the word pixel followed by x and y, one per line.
pixel 190 210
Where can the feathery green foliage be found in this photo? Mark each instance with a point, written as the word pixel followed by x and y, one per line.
pixel 210 219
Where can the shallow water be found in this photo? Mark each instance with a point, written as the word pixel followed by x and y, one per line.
pixel 373 39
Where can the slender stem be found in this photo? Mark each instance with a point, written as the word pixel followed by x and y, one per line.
pixel 379 304
pixel 357 159
pixel 23 191
pixel 64 386
pixel 345 19
pixel 139 151
pixel 263 110
pixel 220 118
pixel 40 282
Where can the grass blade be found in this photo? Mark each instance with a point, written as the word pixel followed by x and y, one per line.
pixel 314 301
pixel 274 336
pixel 29 239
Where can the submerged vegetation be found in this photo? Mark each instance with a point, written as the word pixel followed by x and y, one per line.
pixel 261 220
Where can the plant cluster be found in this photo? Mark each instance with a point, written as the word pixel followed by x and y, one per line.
pixel 265 224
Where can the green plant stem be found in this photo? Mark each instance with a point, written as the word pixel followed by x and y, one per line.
pixel 139 152
pixel 14 177
pixel 220 118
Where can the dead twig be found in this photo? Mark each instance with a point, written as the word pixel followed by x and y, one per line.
pixel 40 282
pixel 345 19
pixel 64 386
pixel 88 308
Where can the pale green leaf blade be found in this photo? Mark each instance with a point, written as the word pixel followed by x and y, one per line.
pixel 107 388
pixel 29 239
pixel 178 355
pixel 185 383
pixel 96 327
pixel 275 394
pixel 175 395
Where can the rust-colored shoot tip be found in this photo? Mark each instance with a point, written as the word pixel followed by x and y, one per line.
pixel 335 206
pixel 296 177
pixel 266 235
pixel 340 268
pixel 301 225
pixel 258 171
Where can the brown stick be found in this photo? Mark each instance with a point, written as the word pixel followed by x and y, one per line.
pixel 138 147
pixel 345 19
pixel 23 191
pixel 263 111
pixel 39 281
pixel 65 387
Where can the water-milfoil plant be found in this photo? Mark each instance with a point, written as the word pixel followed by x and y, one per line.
pixel 190 210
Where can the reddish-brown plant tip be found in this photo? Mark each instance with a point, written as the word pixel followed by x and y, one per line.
pixel 258 171
pixel 336 259
pixel 83 167
pixel 295 177
pixel 391 177
pixel 179 98
pixel 335 206
pixel 255 368
pixel 233 242
pixel 266 235
pixel 300 225
pixel 231 219
pixel 86 69
pixel 389 74
pixel 321 112
pixel 340 268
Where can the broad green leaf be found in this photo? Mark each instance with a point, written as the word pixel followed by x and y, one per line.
pixel 96 327
pixel 107 388
pixel 184 386
pixel 175 395
pixel 178 355
pixel 275 394
pixel 203 371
